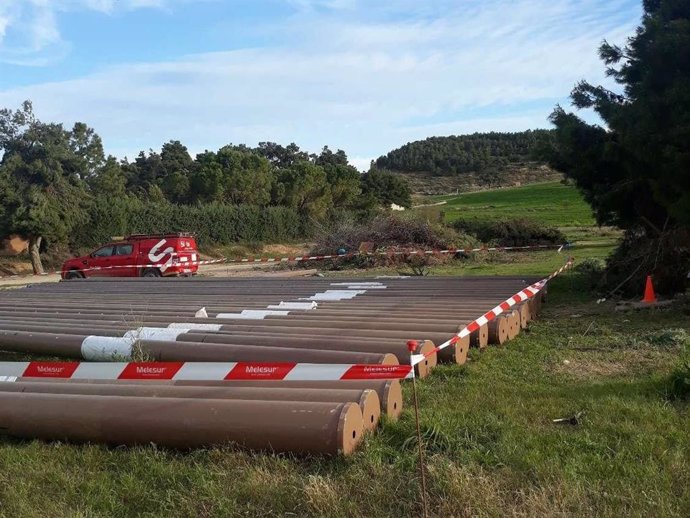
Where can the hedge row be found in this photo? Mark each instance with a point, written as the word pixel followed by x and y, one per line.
pixel 213 224
pixel 510 232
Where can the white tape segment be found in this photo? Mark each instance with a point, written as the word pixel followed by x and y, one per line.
pixel 154 333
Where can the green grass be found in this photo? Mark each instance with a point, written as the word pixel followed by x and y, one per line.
pixel 538 263
pixel 551 203
pixel 491 446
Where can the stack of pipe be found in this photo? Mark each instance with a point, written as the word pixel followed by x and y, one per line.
pixel 242 319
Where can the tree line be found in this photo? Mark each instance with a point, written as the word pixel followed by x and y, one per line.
pixel 57 184
pixel 463 154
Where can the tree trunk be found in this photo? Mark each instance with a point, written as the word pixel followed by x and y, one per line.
pixel 34 247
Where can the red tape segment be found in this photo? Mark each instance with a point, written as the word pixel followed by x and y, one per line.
pixel 264 371
pixel 150 371
pixel 50 369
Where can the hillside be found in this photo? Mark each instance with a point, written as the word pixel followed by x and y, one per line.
pixel 440 165
pixel 550 203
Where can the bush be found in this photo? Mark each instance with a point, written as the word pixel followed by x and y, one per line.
pixel 591 270
pixel 213 223
pixel 666 257
pixel 390 232
pixel 510 232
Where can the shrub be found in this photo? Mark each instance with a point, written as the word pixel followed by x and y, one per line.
pixel 390 232
pixel 386 231
pixel 591 271
pixel 213 223
pixel 667 258
pixel 510 232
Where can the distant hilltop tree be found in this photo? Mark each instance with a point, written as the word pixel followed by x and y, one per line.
pixel 463 154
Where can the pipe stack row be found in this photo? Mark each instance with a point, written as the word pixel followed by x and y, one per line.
pixel 238 319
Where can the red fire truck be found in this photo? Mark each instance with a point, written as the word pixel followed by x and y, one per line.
pixel 152 255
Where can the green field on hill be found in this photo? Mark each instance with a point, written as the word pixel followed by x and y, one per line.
pixel 551 203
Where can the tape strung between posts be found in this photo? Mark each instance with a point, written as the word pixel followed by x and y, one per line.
pixel 349 255
pixel 116 266
pixel 203 371
pixel 520 296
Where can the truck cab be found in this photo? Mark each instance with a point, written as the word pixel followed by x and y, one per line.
pixel 138 255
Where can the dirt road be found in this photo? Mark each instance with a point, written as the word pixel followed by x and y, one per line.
pixel 211 270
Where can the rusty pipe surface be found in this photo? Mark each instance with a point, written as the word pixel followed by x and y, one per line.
pixel 183 423
pixel 367 399
pixel 389 391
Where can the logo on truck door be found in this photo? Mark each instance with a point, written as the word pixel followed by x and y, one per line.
pixel 155 255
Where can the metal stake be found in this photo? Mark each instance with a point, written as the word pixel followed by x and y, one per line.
pixel 412 345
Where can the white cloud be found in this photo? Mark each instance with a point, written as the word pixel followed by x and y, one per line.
pixel 359 81
pixel 29 29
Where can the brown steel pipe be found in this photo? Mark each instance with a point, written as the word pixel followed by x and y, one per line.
pixel 367 399
pixel 389 391
pixel 513 317
pixel 292 426
pixel 480 337
pixel 498 330
pixel 70 346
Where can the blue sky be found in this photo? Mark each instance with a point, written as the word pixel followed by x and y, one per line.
pixel 362 75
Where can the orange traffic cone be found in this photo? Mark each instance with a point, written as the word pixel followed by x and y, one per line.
pixel 649 296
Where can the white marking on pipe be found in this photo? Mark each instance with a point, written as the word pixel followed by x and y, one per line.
pixel 335 295
pixel 158 334
pixel 371 284
pixel 106 348
pixel 191 326
pixel 294 305
pixel 253 314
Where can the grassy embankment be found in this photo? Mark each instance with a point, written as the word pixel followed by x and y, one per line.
pixel 550 203
pixel 492 448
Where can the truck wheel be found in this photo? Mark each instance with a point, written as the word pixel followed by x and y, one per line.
pixel 74 274
pixel 151 272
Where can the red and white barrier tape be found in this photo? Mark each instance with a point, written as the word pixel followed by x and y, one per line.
pixel 304 258
pixel 202 371
pixel 521 296
pixel 101 268
pixel 448 251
